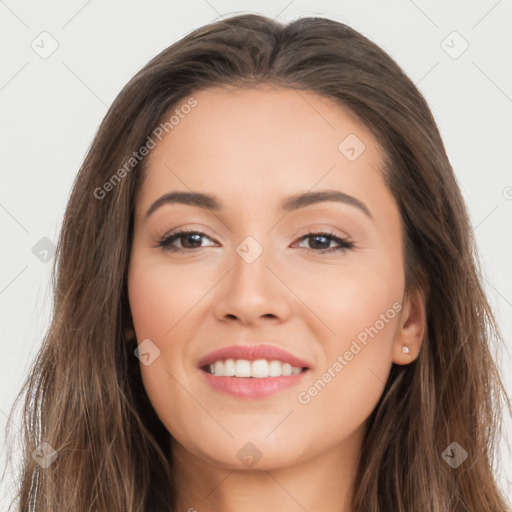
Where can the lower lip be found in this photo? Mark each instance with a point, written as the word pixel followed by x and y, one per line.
pixel 252 387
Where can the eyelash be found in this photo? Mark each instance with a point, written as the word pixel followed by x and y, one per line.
pixel 344 243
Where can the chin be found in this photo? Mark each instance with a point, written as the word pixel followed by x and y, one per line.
pixel 236 454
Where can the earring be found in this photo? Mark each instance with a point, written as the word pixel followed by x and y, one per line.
pixel 406 349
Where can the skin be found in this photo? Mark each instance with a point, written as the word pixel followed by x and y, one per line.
pixel 251 149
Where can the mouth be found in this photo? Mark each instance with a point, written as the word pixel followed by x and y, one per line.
pixel 253 371
pixel 257 369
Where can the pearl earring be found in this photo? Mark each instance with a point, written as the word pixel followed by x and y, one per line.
pixel 406 349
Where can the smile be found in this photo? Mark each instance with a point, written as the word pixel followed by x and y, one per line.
pixel 259 369
pixel 252 371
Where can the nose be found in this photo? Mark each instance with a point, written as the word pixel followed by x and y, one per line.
pixel 253 292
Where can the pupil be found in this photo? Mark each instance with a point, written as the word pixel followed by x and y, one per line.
pixel 320 236
pixel 196 235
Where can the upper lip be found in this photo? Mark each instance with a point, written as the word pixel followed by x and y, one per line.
pixel 251 353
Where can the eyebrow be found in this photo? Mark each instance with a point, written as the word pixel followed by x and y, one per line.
pixel 212 203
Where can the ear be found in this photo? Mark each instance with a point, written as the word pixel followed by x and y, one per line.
pixel 412 327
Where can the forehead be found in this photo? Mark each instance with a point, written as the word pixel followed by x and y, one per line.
pixel 258 143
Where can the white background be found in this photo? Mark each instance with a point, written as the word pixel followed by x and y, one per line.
pixel 51 108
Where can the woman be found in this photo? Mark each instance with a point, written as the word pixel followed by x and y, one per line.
pixel 327 348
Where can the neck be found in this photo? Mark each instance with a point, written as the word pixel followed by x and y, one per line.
pixel 324 482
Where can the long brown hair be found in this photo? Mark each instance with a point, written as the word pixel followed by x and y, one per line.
pixel 85 397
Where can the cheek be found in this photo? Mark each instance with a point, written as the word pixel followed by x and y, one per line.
pixel 164 301
pixel 338 402
pixel 346 387
pixel 361 309
pixel 159 302
pixel 350 299
pixel 160 296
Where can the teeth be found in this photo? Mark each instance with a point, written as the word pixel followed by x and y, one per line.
pixel 260 368
pixel 229 368
pixel 242 368
pixel 275 368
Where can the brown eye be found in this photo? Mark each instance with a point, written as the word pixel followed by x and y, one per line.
pixel 188 239
pixel 321 242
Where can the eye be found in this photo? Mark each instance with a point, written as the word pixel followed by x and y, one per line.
pixel 189 239
pixel 325 238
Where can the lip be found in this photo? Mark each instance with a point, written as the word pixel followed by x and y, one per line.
pixel 251 353
pixel 251 387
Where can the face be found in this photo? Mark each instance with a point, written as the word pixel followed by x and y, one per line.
pixel 321 280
